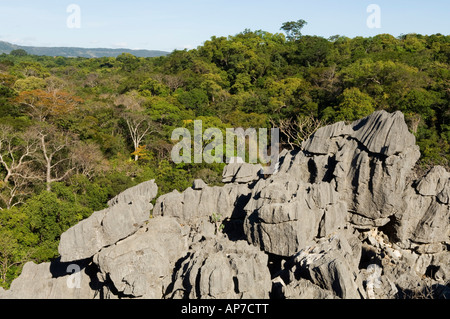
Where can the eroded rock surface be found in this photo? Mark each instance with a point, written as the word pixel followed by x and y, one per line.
pixel 126 213
pixel 331 265
pixel 141 265
pixel 344 217
pixel 357 173
pixel 221 269
pixel 54 281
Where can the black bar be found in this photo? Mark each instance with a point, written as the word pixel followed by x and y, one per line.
pixel 168 309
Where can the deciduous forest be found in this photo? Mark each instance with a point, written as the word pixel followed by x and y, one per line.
pixel 74 132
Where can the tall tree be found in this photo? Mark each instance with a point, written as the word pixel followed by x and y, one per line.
pixel 17 190
pixel 54 159
pixel 42 105
pixel 293 29
pixel 17 155
pixel 17 150
pixel 139 126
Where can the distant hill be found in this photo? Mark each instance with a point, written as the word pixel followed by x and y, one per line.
pixel 6 47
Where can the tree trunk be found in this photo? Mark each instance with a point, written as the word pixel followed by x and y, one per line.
pixel 48 179
pixel 136 146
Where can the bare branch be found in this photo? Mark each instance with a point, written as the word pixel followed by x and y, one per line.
pixel 13 145
pixel 52 144
pixel 139 126
pixel 297 130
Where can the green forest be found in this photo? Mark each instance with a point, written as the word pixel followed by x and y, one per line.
pixel 74 132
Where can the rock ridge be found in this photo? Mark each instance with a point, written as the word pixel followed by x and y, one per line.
pixel 344 217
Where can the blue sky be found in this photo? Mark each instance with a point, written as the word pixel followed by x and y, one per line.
pixel 175 24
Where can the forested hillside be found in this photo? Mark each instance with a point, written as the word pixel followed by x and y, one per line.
pixel 6 47
pixel 74 132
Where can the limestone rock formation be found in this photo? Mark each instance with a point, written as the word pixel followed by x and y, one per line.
pixel 221 269
pixel 241 173
pixel 145 191
pixel 344 217
pixel 140 265
pixel 196 206
pixel 292 213
pixel 353 173
pixel 127 213
pixel 425 219
pixel 54 281
pixel 331 265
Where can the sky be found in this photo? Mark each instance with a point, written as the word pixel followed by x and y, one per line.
pixel 175 24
